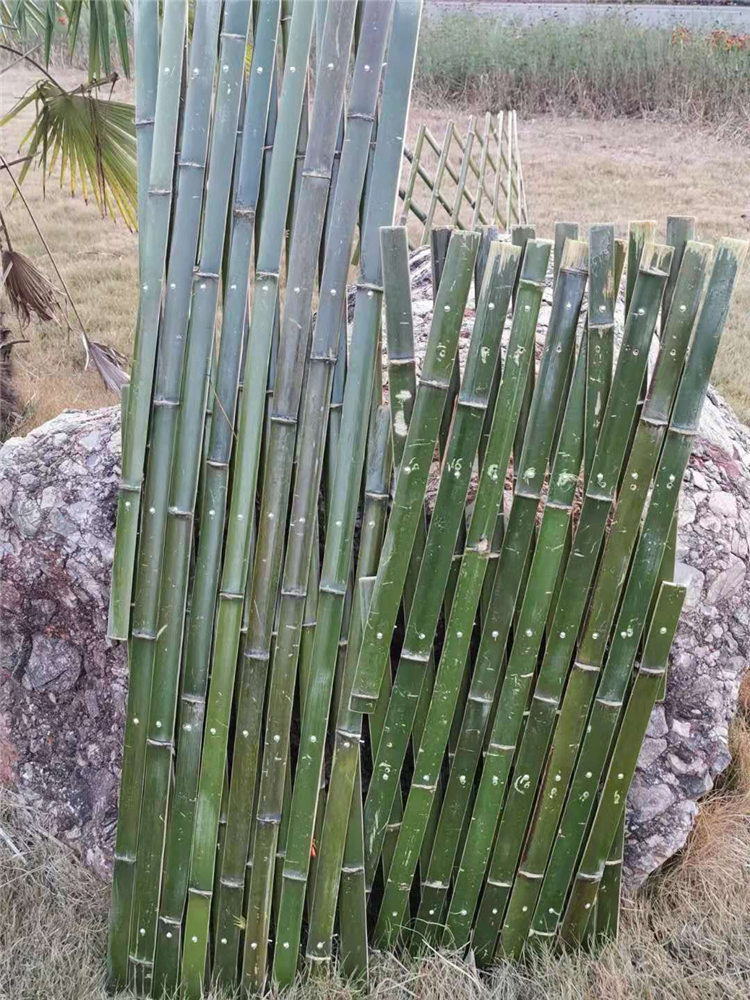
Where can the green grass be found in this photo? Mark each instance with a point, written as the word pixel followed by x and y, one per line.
pixel 604 68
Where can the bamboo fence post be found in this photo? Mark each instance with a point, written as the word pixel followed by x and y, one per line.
pixel 348 727
pixel 463 174
pixel 482 170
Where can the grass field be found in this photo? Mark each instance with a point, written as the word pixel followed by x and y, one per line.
pixel 575 168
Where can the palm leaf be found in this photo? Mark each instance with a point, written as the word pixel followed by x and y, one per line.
pixel 94 141
pixel 40 19
pixel 29 291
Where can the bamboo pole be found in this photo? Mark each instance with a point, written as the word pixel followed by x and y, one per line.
pixel 615 676
pixel 543 417
pixel 487 506
pixel 414 172
pixel 239 534
pixel 146 80
pixel 482 170
pixel 638 474
pixel 437 558
pixel 380 202
pixel 574 592
pixel 611 806
pixel 152 271
pixel 191 166
pixel 600 333
pixel 182 497
pixel 343 781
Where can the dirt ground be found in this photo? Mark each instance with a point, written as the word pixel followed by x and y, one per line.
pixel 574 170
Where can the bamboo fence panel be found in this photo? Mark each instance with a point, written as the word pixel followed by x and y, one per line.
pixel 397 612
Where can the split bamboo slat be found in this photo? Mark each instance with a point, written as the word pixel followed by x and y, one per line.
pixel 397 594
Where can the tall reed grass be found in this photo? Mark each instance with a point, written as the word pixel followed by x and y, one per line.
pixel 604 68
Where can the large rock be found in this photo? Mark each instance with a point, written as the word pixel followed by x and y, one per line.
pixel 63 685
pixel 63 688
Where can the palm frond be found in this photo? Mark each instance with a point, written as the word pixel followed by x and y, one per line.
pixel 109 363
pixel 93 140
pixel 41 19
pixel 29 291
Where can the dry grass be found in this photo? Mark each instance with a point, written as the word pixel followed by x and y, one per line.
pixel 97 258
pixel 686 938
pixel 624 169
pixel 575 169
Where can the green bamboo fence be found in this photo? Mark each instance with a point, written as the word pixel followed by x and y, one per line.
pixel 398 604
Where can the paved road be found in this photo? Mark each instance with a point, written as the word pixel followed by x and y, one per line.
pixel 698 17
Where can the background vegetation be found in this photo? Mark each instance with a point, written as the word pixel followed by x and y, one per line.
pixel 604 68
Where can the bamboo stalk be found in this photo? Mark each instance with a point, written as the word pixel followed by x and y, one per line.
pixel 146 80
pixel 239 534
pixel 437 558
pixel 380 201
pixel 191 166
pixel 152 271
pixel 487 505
pixel 414 172
pixel 606 917
pixel 565 625
pixel 496 217
pixel 611 806
pixel 463 173
pixel 343 781
pixel 415 466
pixel 182 496
pixel 600 333
pixel 643 579
pixel 546 403
pixel 482 171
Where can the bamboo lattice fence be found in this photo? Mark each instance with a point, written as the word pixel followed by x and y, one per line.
pixel 467 180
pixel 396 617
